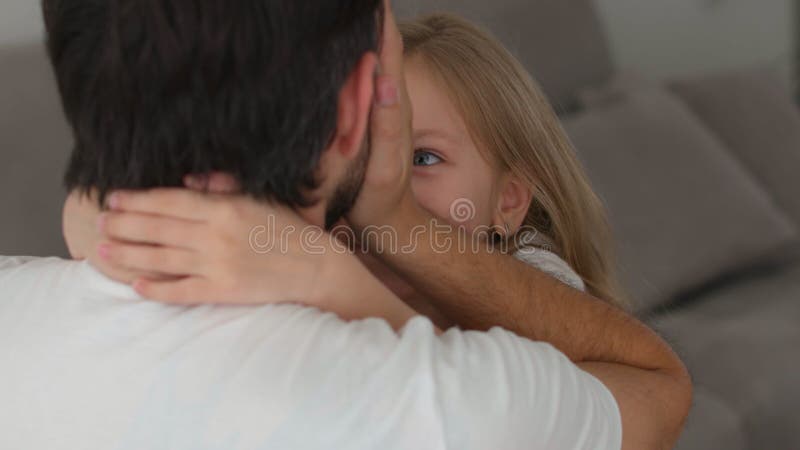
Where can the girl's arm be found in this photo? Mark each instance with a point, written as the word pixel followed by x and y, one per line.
pixel 191 248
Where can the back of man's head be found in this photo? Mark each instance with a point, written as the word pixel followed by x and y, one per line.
pixel 157 89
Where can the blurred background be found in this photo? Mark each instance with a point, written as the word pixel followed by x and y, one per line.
pixel 685 115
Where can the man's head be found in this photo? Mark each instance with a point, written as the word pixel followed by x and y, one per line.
pixel 275 92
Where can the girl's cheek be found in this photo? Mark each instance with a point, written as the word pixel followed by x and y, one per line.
pixel 434 195
pixel 455 197
pixel 472 210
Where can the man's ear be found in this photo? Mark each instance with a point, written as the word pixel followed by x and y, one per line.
pixel 355 106
pixel 513 203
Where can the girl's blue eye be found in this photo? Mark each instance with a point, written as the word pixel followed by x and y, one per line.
pixel 424 158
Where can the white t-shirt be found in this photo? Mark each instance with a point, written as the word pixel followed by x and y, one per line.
pixel 85 364
pixel 551 264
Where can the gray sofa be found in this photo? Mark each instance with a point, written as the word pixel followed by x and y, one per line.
pixel 700 177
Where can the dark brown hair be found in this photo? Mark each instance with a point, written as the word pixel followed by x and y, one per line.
pixel 157 89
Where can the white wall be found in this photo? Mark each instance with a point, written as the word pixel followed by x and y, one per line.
pixel 668 38
pixel 20 21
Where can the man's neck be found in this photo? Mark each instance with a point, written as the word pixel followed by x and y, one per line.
pixel 315 215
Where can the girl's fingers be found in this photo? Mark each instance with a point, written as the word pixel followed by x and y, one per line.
pixel 197 183
pixel 223 183
pixel 149 229
pixel 161 261
pixel 185 292
pixel 391 56
pixel 215 183
pixel 179 203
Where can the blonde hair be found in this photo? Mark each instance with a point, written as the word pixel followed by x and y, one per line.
pixel 509 116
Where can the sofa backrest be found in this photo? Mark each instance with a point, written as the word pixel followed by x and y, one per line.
pixel 34 146
pixel 685 211
pixel 753 114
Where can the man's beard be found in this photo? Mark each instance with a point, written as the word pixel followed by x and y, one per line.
pixel 346 195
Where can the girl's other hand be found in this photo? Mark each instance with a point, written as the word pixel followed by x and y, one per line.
pixel 80 224
pixel 212 248
pixel 230 249
pixel 82 220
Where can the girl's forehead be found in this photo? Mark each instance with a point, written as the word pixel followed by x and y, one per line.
pixel 435 114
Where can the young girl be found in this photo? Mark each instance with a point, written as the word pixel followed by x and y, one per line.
pixel 491 154
pixel 484 131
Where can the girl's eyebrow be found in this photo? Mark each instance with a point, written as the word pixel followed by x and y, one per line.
pixel 434 133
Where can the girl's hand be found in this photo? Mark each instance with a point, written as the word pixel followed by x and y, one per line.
pixel 80 224
pixel 230 249
pixel 80 228
pixel 386 197
pixel 212 248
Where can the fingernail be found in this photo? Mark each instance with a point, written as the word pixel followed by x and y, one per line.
pixel 195 180
pixel 138 285
pixel 387 92
pixel 101 222
pixel 113 200
pixel 104 250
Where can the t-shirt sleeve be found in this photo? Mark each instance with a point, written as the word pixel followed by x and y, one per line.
pixel 485 390
pixel 498 390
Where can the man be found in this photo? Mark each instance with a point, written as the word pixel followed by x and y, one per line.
pixel 278 93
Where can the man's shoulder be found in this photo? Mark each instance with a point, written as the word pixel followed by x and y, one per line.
pixel 10 264
pixel 32 271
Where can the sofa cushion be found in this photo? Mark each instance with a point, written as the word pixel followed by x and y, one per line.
pixel 712 423
pixel 36 143
pixel 741 342
pixel 684 211
pixel 754 116
pixel 529 28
